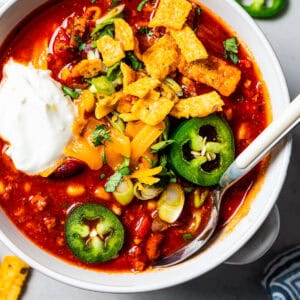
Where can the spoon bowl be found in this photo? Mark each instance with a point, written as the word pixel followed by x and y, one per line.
pixel 248 159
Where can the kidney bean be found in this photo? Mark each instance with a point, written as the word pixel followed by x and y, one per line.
pixel 70 167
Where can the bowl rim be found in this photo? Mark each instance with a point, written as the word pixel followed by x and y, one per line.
pixel 193 273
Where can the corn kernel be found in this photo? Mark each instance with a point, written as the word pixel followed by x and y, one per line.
pixel 101 193
pixel 117 210
pixel 75 190
pixel 2 188
pixel 151 205
pixel 244 131
pixel 137 241
pixel 27 187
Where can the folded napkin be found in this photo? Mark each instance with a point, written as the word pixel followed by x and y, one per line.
pixel 282 276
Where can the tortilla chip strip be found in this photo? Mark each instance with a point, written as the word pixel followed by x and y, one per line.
pixel 141 87
pixel 214 72
pixel 161 58
pixel 152 111
pixel 129 75
pixel 189 44
pixel 124 34
pixel 13 273
pixel 198 106
pixel 171 14
pixel 111 50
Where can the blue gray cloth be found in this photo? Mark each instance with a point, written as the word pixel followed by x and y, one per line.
pixel 282 276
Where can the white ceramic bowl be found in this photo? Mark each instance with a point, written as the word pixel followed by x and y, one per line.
pixel 227 243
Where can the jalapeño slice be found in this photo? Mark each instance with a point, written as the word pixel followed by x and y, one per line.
pixel 261 9
pixel 94 233
pixel 203 150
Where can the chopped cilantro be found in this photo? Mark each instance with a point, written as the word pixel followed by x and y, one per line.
pixel 113 72
pixel 102 176
pixel 187 236
pixel 145 30
pixel 93 1
pixel 198 11
pixel 125 163
pixel 114 3
pixel 80 44
pixel 115 179
pixel 125 171
pixel 188 189
pixel 166 175
pixel 141 5
pixel 231 49
pixel 70 92
pixel 108 30
pixel 133 61
pixel 163 160
pixel 100 135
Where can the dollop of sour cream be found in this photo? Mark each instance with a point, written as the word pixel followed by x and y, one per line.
pixel 35 117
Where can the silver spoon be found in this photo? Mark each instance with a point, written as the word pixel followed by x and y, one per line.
pixel 262 145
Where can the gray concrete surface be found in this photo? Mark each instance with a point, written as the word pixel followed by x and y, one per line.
pixel 225 282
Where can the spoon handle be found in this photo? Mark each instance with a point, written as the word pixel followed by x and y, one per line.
pixel 263 144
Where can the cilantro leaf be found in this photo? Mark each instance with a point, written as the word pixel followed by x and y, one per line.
pixel 188 189
pixel 187 236
pixel 114 3
pixel 80 44
pixel 115 179
pixel 113 72
pixel 166 175
pixel 133 61
pixel 145 30
pixel 108 30
pixel 234 58
pixel 125 163
pixel 231 49
pixel 231 45
pixel 70 92
pixel 100 135
pixel 163 160
pixel 125 171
